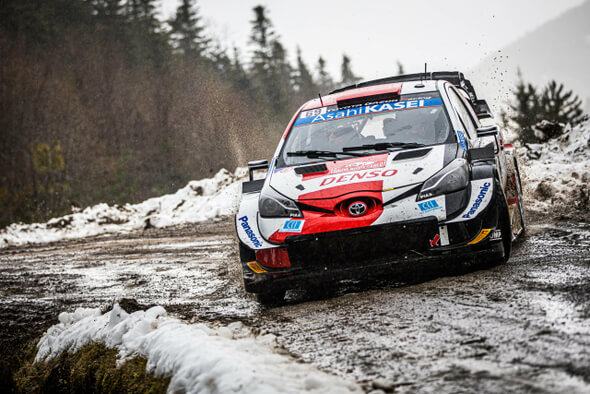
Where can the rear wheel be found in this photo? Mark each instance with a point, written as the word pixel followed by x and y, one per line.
pixel 520 199
pixel 505 228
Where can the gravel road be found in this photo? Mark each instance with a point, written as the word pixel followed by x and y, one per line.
pixel 522 326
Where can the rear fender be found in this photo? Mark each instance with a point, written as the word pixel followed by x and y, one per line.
pixel 510 188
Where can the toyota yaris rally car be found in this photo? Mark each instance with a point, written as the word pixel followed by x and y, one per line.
pixel 397 169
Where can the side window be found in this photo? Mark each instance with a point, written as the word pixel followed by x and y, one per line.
pixel 463 113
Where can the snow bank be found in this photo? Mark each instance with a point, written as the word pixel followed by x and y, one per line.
pixel 197 201
pixel 199 359
pixel 556 174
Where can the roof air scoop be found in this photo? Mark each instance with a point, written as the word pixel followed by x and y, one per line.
pixel 368 99
pixel 312 169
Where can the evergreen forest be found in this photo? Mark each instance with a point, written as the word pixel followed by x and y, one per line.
pixel 104 101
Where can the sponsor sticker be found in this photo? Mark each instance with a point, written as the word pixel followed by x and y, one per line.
pixel 358 166
pixel 435 241
pixel 428 206
pixel 483 190
pixel 462 141
pixel 307 117
pixel 496 234
pixel 312 113
pixel 482 234
pixel 351 165
pixel 357 175
pixel 292 226
pixel 254 266
pixel 249 232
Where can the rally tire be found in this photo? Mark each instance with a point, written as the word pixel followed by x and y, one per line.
pixel 505 226
pixel 520 199
pixel 271 298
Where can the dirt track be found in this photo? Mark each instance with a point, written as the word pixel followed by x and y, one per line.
pixel 523 326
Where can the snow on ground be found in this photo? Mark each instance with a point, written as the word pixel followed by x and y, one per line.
pixel 199 359
pixel 198 201
pixel 556 174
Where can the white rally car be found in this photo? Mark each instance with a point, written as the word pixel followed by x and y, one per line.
pixel 396 169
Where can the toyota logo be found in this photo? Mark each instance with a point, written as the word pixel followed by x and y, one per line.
pixel 357 208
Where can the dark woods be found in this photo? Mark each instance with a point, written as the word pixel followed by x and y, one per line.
pixel 100 101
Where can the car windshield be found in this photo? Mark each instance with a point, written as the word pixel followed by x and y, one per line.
pixel 332 133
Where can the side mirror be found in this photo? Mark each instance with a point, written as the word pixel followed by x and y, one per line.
pixel 256 165
pixel 487 131
pixel 482 109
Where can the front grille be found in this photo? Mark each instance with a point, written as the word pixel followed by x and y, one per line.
pixel 364 245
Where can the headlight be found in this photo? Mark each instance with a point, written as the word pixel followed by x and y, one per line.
pixel 273 205
pixel 453 177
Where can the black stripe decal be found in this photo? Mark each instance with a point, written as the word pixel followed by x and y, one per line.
pixel 407 193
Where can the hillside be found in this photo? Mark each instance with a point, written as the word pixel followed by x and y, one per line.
pixel 559 49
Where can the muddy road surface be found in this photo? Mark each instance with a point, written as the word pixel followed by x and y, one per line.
pixel 523 326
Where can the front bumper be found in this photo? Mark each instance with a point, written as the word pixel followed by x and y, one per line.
pixel 376 250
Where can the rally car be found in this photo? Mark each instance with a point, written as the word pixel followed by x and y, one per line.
pixel 397 169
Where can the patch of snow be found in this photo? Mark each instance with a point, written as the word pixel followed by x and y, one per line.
pixel 197 201
pixel 199 358
pixel 556 174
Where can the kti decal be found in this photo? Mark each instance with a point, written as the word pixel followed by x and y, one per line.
pixel 357 175
pixel 249 232
pixel 367 109
pixel 428 206
pixel 292 226
pixel 483 190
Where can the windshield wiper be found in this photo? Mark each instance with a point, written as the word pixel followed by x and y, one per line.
pixel 384 146
pixel 315 154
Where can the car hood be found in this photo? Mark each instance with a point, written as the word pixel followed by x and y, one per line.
pixel 375 173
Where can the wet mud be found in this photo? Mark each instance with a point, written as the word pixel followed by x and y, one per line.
pixel 521 326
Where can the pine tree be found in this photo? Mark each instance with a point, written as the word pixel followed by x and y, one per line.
pixel 220 60
pixel 110 16
pixel 303 81
pixel 271 73
pixel 552 105
pixel 325 81
pixel 261 37
pixel 560 106
pixel 187 33
pixel 526 108
pixel 280 78
pixel 146 41
pixel 400 68
pixel 348 77
pixel 239 76
pixel 107 8
pixel 143 13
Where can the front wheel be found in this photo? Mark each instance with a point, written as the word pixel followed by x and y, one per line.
pixel 271 298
